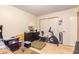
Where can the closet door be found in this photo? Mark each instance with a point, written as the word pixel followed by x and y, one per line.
pixel 44 25
pixel 47 23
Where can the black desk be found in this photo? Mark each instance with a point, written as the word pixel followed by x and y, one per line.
pixel 31 36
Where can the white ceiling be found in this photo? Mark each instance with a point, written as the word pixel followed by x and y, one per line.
pixel 43 9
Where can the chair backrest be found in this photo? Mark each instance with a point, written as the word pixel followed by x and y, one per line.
pixel 21 37
pixel 1 27
pixel 76 50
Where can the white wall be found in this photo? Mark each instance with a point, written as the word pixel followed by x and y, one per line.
pixel 69 26
pixel 15 21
